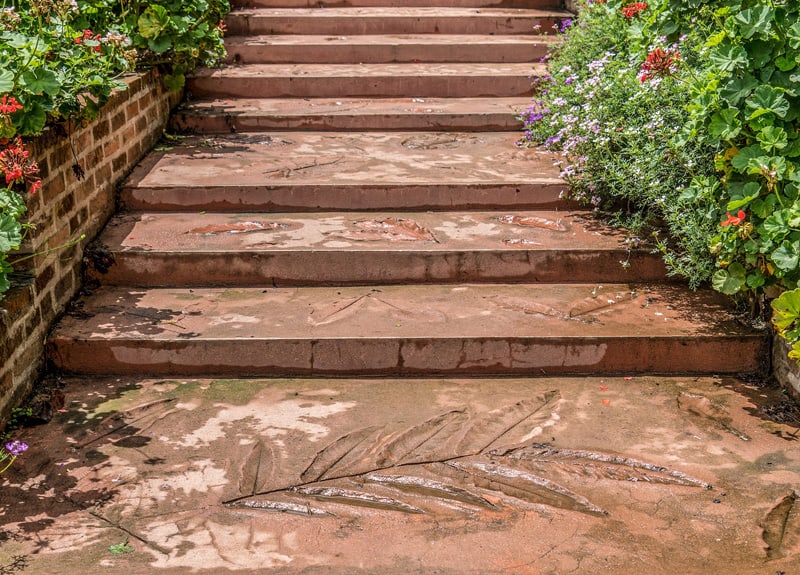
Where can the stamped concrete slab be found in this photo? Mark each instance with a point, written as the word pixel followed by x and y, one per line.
pixel 613 475
pixel 339 49
pixel 392 20
pixel 416 329
pixel 294 171
pixel 223 116
pixel 170 249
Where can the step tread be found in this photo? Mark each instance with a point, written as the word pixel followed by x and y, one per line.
pixel 387 48
pixel 387 39
pixel 384 12
pixel 304 107
pixel 335 159
pixel 509 231
pixel 259 114
pixel 486 311
pixel 378 70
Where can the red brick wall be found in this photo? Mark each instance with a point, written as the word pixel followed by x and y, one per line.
pixel 107 148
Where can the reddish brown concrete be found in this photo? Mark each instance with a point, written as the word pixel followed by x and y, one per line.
pixel 222 116
pixel 616 476
pixel 184 249
pixel 413 48
pixel 467 329
pixel 305 171
pixel 392 20
pixel 358 80
pixel 537 4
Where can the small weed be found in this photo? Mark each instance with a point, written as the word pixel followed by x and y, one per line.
pixel 121 548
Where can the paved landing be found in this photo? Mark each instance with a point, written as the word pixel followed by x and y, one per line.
pixel 614 475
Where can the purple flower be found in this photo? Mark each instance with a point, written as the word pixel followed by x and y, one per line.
pixel 566 23
pixel 16 447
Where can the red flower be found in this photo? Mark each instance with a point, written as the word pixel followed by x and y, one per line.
pixel 659 62
pixel 734 220
pixel 9 105
pixel 17 167
pixel 632 10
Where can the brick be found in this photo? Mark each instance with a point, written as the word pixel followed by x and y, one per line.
pixel 65 205
pixel 54 187
pixel 65 288
pixel 118 121
pixel 132 110
pixel 101 129
pixel 44 277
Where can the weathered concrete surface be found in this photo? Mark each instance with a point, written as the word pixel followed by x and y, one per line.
pixel 299 48
pixel 442 80
pixel 302 171
pixel 392 20
pixel 184 249
pixel 355 114
pixel 414 329
pixel 613 475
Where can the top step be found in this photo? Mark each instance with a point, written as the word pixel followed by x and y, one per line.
pixel 393 20
pixel 540 4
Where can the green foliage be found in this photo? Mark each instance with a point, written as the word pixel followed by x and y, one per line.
pixel 786 319
pixel 724 77
pixel 617 132
pixel 62 59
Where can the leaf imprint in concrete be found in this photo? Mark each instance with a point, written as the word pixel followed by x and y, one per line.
pixel 455 462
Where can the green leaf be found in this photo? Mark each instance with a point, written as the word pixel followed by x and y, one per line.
pixel 763 207
pixel 729 281
pixel 737 90
pixel 160 44
pixel 750 192
pixel 775 226
pixel 786 308
pixel 742 160
pixel 755 280
pixel 787 256
pixel 40 81
pixel 153 21
pixel 773 138
pixel 757 20
pixel 793 35
pixel 760 53
pixel 31 120
pixel 729 58
pixel 10 233
pixel 785 64
pixel 725 124
pixel 716 39
pixel 767 99
pixel 6 81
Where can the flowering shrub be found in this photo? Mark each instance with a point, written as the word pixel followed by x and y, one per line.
pixel 62 59
pixel 707 145
pixel 613 104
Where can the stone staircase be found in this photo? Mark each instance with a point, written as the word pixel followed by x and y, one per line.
pixel 349 201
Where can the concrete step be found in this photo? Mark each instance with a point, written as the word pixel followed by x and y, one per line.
pixel 281 49
pixel 405 330
pixel 187 249
pixel 220 116
pixel 392 20
pixel 531 4
pixel 458 80
pixel 345 171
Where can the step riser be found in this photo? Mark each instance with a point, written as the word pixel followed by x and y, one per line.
pixel 224 124
pixel 530 4
pixel 301 198
pixel 250 53
pixel 398 357
pixel 361 86
pixel 312 268
pixel 249 24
